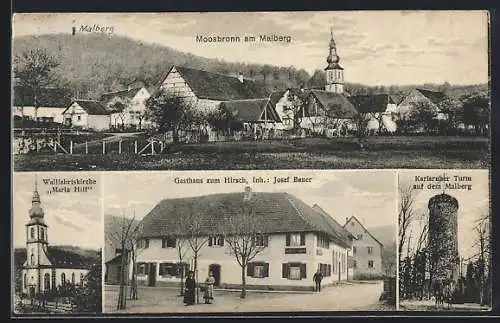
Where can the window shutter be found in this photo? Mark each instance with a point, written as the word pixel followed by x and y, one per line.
pixel 266 240
pixel 284 270
pixel 163 243
pixel 303 273
pixel 210 241
pixel 147 243
pixel 266 269
pixel 146 268
pixel 250 269
pixel 329 270
pixel 287 239
pixel 302 239
pixel 174 240
pixel 221 243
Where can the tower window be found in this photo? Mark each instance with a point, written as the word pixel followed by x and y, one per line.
pixel 73 278
pixel 63 279
pixel 32 259
pixel 42 234
pixel 32 233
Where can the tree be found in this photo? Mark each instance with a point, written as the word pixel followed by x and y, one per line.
pixel 405 216
pixel 181 247
pixel 423 114
pixel 361 121
pixel 118 106
pixel 245 236
pixel 476 112
pixel 482 244
pixel 125 232
pixel 294 110
pixel 34 70
pixel 223 120
pixel 172 113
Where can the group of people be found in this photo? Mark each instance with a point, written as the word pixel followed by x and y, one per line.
pixel 190 289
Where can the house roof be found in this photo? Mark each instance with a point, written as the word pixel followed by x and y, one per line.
pixel 336 104
pixel 434 96
pixel 277 212
pixel 127 94
pixel 92 107
pixel 47 97
pixel 342 234
pixel 276 96
pixel 353 218
pixel 251 110
pixel 113 227
pixel 371 103
pixel 213 86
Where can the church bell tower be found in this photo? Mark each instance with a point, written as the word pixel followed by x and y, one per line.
pixel 334 72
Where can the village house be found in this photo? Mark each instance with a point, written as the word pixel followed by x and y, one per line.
pixel 297 240
pixel 127 107
pixel 47 268
pixel 87 114
pixel 366 251
pixel 422 96
pixel 51 101
pixel 379 108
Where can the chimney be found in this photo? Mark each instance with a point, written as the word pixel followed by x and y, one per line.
pixel 247 195
pixel 346 220
pixel 240 77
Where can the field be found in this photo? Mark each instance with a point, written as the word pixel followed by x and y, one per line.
pixel 308 153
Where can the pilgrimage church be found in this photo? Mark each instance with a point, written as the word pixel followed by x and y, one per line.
pixel 46 269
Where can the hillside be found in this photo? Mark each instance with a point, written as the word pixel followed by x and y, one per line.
pixel 91 64
pixel 387 236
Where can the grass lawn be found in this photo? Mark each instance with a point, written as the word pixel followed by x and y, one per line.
pixel 426 305
pixel 309 153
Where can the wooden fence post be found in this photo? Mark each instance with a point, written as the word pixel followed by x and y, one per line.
pixel 161 146
pixel 152 147
pixel 86 148
pixel 119 147
pixel 103 147
pixel 71 147
pixel 135 147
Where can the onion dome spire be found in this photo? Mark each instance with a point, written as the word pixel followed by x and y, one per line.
pixel 36 210
pixel 332 59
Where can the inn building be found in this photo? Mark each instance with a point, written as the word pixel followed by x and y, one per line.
pixel 297 240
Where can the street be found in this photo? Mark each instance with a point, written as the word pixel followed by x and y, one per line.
pixel 345 297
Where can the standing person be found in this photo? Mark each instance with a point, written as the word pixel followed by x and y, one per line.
pixel 190 286
pixel 209 289
pixel 317 280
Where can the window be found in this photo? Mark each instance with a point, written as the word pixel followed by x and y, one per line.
pixel 323 241
pixel 294 271
pixel 32 233
pixel 295 239
pixel 63 279
pixel 168 242
pixel 42 234
pixel 261 240
pixel 216 241
pixel 81 278
pixel 32 259
pixel 352 224
pixel 79 118
pixel 354 264
pixel 370 264
pixel 169 269
pixel 258 269
pixel 73 278
pixel 370 250
pixel 360 236
pixel 143 244
pixel 325 269
pixel 25 281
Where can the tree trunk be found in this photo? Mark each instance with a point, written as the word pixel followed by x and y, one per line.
pixel 197 296
pixel 182 279
pixel 122 293
pixel 133 285
pixel 243 282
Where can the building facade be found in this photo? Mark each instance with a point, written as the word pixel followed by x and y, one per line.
pixel 298 240
pixel 366 251
pixel 43 271
pixel 127 107
pixel 87 114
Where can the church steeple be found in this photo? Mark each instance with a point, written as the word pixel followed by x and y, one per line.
pixel 36 210
pixel 334 72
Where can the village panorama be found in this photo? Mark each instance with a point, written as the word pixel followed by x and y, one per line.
pixel 194 118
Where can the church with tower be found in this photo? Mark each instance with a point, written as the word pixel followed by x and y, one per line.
pixel 47 268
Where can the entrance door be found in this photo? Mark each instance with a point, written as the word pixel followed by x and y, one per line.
pixel 152 274
pixel 32 291
pixel 215 269
pixel 340 271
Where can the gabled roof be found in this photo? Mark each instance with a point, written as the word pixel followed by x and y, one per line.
pixel 277 212
pixel 370 103
pixel 62 257
pixel 434 96
pixel 342 234
pixel 128 94
pixel 276 96
pixel 251 110
pixel 213 86
pixel 337 105
pixel 92 107
pixel 48 97
pixel 353 218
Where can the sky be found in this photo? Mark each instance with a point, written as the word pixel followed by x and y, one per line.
pixel 369 195
pixel 375 47
pixel 472 204
pixel 73 219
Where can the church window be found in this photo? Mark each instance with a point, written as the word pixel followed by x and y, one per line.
pixel 32 233
pixel 81 278
pixel 25 281
pixel 42 234
pixel 46 281
pixel 32 259
pixel 73 278
pixel 63 279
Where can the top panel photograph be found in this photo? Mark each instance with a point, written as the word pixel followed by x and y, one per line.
pixel 250 90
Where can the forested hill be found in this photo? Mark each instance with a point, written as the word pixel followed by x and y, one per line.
pixel 91 64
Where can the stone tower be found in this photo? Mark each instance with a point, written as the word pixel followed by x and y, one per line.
pixel 443 239
pixel 334 72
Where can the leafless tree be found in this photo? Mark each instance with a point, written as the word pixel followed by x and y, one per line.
pixel 483 254
pixel 124 231
pixel 405 216
pixel 245 236
pixel 182 247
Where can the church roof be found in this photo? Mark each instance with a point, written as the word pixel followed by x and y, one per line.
pixel 370 103
pixel 213 86
pixel 62 257
pixel 277 212
pixel 337 105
